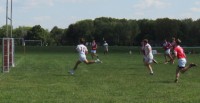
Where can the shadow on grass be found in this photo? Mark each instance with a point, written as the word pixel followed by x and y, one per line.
pixel 165 82
pixel 57 75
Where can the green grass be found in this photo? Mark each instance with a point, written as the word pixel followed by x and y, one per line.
pixel 41 76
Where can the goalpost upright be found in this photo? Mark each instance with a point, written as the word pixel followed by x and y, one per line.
pixel 8 54
pixel 8 43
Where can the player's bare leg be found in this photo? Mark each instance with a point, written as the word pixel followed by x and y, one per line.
pixel 94 55
pixel 86 62
pixel 89 61
pixel 75 67
pixel 154 61
pixel 166 61
pixel 188 67
pixel 183 70
pixel 177 75
pixel 171 58
pixel 149 68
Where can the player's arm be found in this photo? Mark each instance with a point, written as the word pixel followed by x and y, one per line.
pixel 96 46
pixel 77 48
pixel 86 50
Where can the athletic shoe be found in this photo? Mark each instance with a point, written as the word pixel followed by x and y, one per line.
pixel 98 61
pixel 193 65
pixel 71 72
pixel 166 62
pixel 151 73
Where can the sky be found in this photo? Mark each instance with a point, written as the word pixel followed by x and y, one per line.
pixel 62 13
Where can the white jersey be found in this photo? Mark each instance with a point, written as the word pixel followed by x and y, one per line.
pixel 105 45
pixel 81 49
pixel 148 51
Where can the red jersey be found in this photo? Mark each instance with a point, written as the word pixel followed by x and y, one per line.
pixel 94 46
pixel 179 52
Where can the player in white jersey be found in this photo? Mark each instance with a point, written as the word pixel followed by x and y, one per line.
pixel 82 50
pixel 148 55
pixel 105 45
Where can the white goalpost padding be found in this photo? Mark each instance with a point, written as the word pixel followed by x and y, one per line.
pixel 11 55
pixel 8 54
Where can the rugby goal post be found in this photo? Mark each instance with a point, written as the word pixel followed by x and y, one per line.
pixel 8 54
pixel 33 42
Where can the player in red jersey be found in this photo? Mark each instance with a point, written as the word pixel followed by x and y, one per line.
pixel 179 53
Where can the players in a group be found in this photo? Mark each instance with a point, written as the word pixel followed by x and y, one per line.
pixel 82 51
pixel 148 55
pixel 179 53
pixel 167 47
pixel 94 50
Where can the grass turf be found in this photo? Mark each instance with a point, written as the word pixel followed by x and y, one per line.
pixel 42 77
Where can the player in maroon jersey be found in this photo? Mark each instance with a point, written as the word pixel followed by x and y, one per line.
pixel 94 50
pixel 167 47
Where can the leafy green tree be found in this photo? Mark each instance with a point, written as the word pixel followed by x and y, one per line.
pixel 185 29
pixel 37 33
pixel 104 29
pixel 166 28
pixel 193 37
pixel 20 32
pixel 56 35
pixel 3 31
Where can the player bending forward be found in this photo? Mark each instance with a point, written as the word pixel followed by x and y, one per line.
pixel 82 50
pixel 179 53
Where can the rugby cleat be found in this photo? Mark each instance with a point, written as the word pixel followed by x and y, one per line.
pixel 192 65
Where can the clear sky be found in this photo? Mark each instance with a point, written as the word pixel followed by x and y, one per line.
pixel 61 13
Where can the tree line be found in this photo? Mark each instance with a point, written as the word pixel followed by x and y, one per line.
pixel 114 31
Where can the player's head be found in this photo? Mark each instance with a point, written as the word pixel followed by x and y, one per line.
pixel 178 41
pixel 82 40
pixel 145 41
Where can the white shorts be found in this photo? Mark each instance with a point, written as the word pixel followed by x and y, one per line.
pixel 93 51
pixel 82 58
pixel 148 59
pixel 182 62
pixel 167 51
